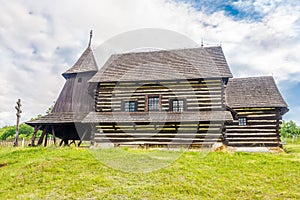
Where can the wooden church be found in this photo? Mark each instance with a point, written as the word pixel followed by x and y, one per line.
pixel 161 98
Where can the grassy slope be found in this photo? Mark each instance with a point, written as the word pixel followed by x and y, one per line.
pixel 72 173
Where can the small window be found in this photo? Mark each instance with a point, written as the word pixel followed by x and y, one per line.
pixel 177 105
pixel 243 121
pixel 153 103
pixel 79 80
pixel 130 106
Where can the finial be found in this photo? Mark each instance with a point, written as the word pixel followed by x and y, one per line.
pixel 202 43
pixel 91 35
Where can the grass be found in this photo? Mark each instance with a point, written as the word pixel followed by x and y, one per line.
pixel 121 173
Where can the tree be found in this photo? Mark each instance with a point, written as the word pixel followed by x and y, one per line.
pixel 7 132
pixel 289 129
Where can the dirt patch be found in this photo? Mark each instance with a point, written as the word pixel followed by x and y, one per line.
pixel 3 164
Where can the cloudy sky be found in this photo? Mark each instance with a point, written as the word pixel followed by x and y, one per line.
pixel 39 40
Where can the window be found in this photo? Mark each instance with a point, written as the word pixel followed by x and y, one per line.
pixel 79 80
pixel 153 103
pixel 242 121
pixel 130 106
pixel 177 105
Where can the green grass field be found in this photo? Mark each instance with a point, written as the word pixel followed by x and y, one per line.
pixel 78 173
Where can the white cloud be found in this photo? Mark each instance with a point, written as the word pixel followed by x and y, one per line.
pixel 41 39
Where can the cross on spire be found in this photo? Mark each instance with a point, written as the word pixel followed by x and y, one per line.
pixel 91 35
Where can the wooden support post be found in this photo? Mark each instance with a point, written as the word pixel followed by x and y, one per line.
pixel 18 108
pixel 54 137
pixel 42 136
pixel 73 142
pixel 84 133
pixel 61 142
pixel 36 129
pixel 66 142
pixel 93 132
pixel 46 139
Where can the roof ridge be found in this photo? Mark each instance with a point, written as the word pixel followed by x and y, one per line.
pixel 166 50
pixel 264 76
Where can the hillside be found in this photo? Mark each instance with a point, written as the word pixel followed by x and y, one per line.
pixel 74 173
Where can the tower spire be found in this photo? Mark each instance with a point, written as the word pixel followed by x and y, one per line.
pixel 91 35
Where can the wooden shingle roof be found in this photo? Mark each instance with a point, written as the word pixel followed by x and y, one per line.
pixel 191 63
pixel 253 92
pixel 97 117
pixel 58 118
pixel 86 63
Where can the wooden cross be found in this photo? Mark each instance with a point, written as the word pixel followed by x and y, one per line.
pixel 19 111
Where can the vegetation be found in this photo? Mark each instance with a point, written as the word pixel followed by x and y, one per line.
pixel 289 129
pixel 9 132
pixel 76 173
pixel 25 131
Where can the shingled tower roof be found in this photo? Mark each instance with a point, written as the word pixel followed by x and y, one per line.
pixel 74 101
pixel 86 63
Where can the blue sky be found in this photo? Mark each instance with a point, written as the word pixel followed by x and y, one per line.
pixel 39 40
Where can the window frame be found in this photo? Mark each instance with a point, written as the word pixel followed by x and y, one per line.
pixel 171 105
pixel 135 107
pixel 147 97
pixel 242 121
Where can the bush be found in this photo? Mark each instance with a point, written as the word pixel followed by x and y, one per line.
pixel 289 129
pixel 9 132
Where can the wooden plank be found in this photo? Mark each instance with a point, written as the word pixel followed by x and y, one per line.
pixel 161 143
pixel 250 134
pixel 114 139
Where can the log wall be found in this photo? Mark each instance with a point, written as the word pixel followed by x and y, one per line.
pixel 199 95
pixel 262 128
pixel 175 133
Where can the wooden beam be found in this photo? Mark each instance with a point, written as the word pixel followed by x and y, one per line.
pixel 46 139
pixel 42 136
pixel 36 129
pixel 83 135
pixel 61 142
pixel 53 133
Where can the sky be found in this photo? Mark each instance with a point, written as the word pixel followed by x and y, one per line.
pixel 39 40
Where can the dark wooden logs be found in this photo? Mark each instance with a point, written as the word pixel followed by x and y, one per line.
pixel 159 133
pixel 205 95
pixel 53 134
pixel 36 129
pixel 43 135
pixel 261 129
